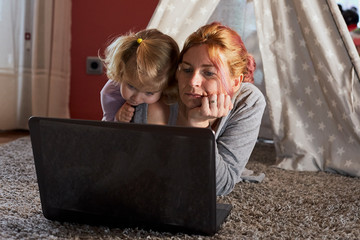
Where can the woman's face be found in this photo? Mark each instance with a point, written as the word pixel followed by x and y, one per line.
pixel 198 77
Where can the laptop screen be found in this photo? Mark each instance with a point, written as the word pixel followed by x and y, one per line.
pixel 125 173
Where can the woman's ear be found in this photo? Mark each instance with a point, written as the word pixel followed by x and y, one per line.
pixel 237 82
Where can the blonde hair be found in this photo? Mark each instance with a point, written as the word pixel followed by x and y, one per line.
pixel 222 39
pixel 149 58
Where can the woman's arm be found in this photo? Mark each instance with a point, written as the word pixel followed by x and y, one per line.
pixel 236 137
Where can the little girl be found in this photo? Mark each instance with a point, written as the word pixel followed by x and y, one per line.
pixel 141 68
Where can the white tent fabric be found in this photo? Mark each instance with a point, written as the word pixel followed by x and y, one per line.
pixel 310 71
pixel 180 18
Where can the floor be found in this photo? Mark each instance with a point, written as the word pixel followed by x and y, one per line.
pixel 11 135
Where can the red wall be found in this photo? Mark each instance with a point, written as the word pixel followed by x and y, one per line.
pixel 94 22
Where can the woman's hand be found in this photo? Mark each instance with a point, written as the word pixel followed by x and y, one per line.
pixel 125 113
pixel 212 107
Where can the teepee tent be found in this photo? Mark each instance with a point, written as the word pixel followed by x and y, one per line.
pixel 307 67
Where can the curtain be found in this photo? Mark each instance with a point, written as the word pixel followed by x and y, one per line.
pixel 311 78
pixel 34 60
pixel 308 71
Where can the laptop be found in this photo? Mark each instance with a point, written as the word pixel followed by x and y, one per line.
pixel 127 175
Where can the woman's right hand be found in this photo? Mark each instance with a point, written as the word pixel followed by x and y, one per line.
pixel 125 113
pixel 212 107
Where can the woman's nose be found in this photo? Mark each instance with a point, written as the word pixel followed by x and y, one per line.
pixel 195 80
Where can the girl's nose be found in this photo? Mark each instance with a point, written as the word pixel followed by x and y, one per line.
pixel 136 97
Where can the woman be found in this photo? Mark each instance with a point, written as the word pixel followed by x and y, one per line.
pixel 215 76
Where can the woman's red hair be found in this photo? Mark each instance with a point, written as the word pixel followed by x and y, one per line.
pixel 223 40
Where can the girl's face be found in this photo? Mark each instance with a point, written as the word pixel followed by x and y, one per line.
pixel 198 77
pixel 138 95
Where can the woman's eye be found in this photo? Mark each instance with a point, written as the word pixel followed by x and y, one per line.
pixel 209 74
pixel 185 69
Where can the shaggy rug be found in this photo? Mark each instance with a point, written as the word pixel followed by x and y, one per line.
pixel 286 205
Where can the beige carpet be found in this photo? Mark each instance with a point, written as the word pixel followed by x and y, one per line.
pixel 286 205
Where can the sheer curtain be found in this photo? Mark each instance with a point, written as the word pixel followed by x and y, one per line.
pixel 34 60
pixel 309 68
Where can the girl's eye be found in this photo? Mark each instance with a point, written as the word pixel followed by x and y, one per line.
pixel 149 93
pixel 130 86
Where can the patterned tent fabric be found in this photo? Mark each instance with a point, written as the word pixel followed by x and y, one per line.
pixel 310 71
pixel 311 85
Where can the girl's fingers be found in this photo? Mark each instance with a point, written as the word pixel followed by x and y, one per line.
pixel 129 108
pixel 125 113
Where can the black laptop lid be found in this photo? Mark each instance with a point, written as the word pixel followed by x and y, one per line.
pixel 119 173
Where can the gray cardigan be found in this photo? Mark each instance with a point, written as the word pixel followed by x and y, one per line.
pixel 236 137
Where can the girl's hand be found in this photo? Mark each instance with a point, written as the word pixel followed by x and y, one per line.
pixel 212 107
pixel 125 113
